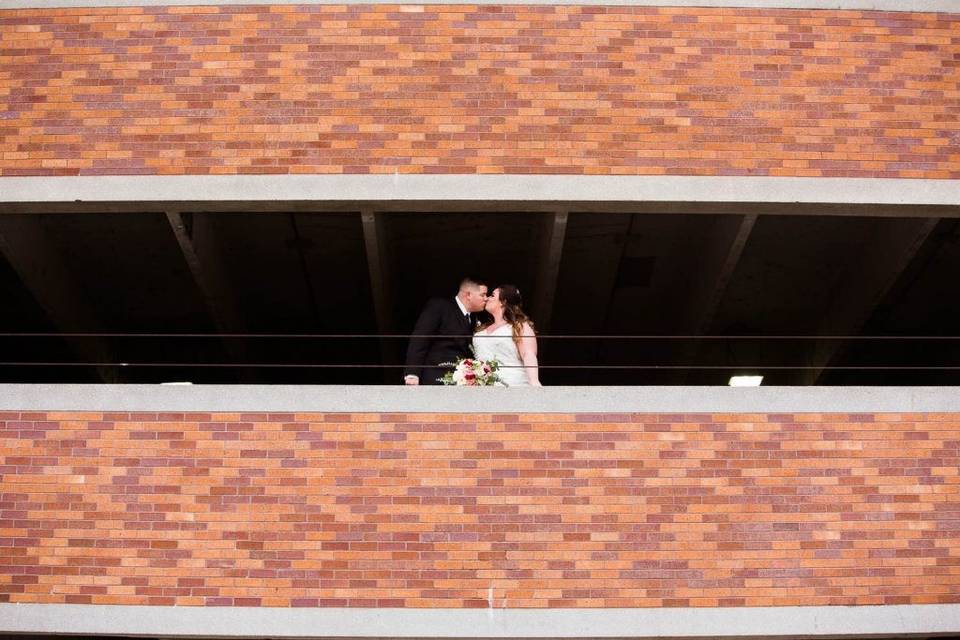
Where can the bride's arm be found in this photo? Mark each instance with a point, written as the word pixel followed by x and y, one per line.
pixel 528 355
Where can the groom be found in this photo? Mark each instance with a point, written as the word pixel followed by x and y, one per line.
pixel 446 317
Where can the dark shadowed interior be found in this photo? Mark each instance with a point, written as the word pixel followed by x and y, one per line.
pixel 631 298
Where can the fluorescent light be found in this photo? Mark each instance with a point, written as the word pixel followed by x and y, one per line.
pixel 176 384
pixel 745 381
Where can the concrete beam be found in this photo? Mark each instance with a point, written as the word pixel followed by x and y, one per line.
pixel 403 191
pixel 374 239
pixel 596 247
pixel 865 284
pixel 724 275
pixel 721 260
pixel 305 623
pixel 202 253
pixel 398 398
pixel 381 285
pixel 551 253
pixel 42 270
pixel 298 244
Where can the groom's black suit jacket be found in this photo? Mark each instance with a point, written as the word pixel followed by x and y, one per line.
pixel 441 316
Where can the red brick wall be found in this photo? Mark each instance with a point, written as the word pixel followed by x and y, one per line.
pixel 417 510
pixel 479 89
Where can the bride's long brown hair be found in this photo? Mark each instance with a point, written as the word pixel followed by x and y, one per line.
pixel 512 311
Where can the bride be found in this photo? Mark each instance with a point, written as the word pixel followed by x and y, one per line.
pixel 509 339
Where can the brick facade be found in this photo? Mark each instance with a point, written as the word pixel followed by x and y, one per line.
pixel 449 510
pixel 462 89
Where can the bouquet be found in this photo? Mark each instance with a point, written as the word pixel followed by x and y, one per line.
pixel 471 372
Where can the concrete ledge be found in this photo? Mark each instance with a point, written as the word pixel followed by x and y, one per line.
pixel 925 6
pixel 241 622
pixel 401 399
pixel 484 188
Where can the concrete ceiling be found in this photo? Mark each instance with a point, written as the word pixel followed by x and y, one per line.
pixel 623 273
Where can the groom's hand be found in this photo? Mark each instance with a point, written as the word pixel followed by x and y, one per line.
pixel 411 380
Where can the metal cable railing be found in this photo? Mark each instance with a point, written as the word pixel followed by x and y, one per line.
pixel 544 337
pixel 624 367
pixel 407 336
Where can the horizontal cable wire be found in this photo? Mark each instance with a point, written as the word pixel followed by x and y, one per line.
pixel 408 336
pixel 402 366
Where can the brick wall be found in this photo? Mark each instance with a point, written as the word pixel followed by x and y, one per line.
pixel 479 89
pixel 420 510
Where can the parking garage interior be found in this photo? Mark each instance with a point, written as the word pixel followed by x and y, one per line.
pixel 632 296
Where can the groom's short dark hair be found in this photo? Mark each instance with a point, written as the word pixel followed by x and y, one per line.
pixel 470 281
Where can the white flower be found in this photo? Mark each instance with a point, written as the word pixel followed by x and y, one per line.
pixel 471 372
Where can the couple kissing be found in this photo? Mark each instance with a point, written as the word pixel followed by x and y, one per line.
pixel 457 327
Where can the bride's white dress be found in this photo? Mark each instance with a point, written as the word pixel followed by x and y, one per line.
pixel 499 345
